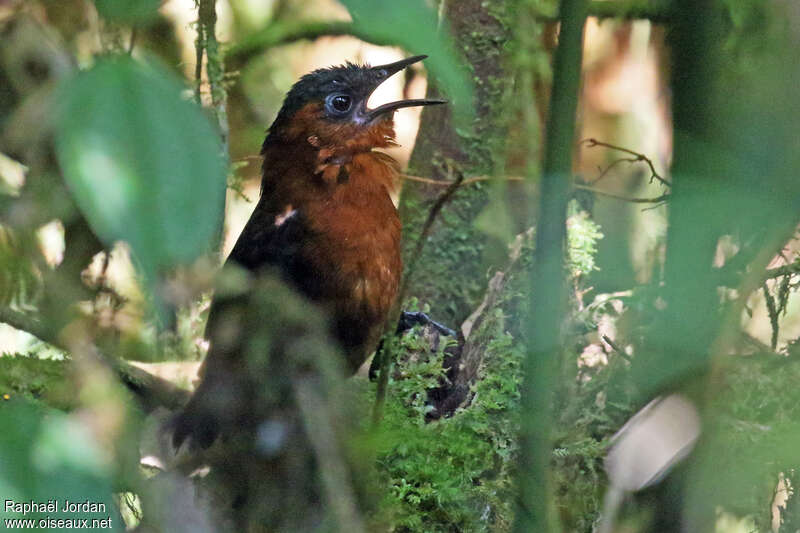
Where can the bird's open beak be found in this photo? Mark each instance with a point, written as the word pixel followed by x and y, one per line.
pixel 385 72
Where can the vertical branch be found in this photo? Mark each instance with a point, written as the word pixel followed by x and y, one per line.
pixel 772 311
pixel 215 69
pixel 690 318
pixel 547 281
pixel 479 31
pixel 199 54
pixel 677 351
pixel 208 46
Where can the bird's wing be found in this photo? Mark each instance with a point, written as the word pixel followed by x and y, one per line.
pixel 270 239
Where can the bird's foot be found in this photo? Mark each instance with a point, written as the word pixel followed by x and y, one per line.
pixel 409 319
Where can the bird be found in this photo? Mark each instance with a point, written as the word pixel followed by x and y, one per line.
pixel 325 221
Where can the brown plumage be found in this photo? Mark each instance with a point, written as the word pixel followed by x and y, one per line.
pixel 351 246
pixel 325 221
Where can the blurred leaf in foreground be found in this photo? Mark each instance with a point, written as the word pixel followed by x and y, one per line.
pixel 130 11
pixel 46 456
pixel 144 164
pixel 414 26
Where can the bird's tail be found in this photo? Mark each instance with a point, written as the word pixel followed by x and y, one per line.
pixel 196 422
pixel 199 427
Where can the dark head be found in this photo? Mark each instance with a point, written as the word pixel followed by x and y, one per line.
pixel 330 104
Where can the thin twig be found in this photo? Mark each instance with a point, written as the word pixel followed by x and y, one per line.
pixel 388 338
pixel 656 206
pixel 452 187
pixel 617 349
pixel 632 199
pixel 385 350
pixel 132 42
pixel 591 143
pixel 278 34
pixel 447 183
pixel 208 45
pixel 283 33
pixel 604 172
pixel 785 270
pixel 772 311
pixel 476 179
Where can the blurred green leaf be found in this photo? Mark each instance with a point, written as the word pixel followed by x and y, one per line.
pixel 129 11
pixel 45 456
pixel 414 26
pixel 144 164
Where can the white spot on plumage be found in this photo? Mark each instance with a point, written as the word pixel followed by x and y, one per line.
pixel 286 215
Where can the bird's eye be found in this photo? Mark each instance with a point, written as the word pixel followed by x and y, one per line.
pixel 339 103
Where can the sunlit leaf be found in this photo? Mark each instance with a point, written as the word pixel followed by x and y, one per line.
pixel 127 10
pixel 414 26
pixel 144 164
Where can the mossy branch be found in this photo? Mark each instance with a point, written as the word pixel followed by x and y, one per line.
pixel 152 390
pixel 24 322
pixel 208 46
pixel 282 33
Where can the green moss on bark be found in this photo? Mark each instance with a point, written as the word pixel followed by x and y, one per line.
pixel 450 273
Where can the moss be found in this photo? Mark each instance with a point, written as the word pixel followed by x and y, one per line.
pixel 582 236
pixel 457 474
pixel 41 380
pixel 751 436
pixel 449 274
pixel 453 474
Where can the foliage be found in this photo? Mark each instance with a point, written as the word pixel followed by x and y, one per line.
pixel 457 473
pixel 755 431
pixel 582 236
pixel 130 11
pixel 48 455
pixel 34 379
pixel 144 164
pixel 452 474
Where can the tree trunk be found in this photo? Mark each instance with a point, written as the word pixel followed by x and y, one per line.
pixel 449 273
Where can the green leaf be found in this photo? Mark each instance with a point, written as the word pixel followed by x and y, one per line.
pixel 414 26
pixel 128 11
pixel 144 164
pixel 46 456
